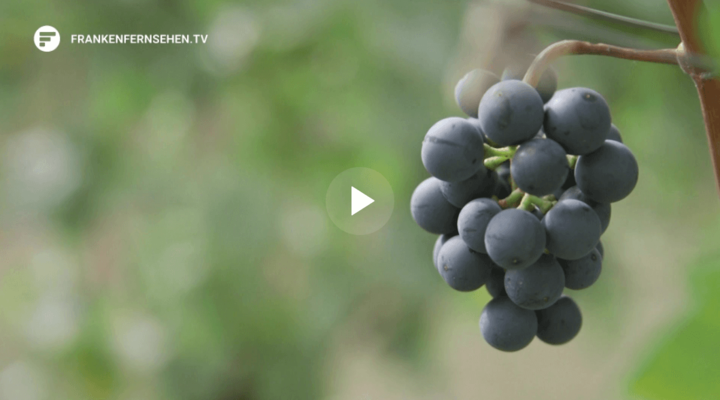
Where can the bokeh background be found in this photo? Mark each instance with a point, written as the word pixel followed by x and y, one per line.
pixel 163 232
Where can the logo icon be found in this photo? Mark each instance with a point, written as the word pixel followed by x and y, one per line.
pixel 47 38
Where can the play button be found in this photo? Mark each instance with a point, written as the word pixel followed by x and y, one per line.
pixel 356 190
pixel 358 200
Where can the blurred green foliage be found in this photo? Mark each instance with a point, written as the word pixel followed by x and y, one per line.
pixel 685 364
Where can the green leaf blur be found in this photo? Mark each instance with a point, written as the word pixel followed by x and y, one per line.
pixel 684 366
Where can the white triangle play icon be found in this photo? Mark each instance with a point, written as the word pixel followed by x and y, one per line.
pixel 358 200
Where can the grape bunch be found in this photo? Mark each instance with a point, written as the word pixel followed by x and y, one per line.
pixel 520 195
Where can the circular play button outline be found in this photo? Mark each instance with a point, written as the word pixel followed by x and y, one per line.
pixel 360 201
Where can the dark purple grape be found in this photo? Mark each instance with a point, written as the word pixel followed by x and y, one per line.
pixel 614 134
pixel 438 244
pixel 608 174
pixel 559 323
pixel 600 249
pixel 503 171
pixel 473 221
pixel 476 124
pixel 573 229
pixel 463 269
pixel 453 150
pixel 510 112
pixel 537 286
pixel 578 119
pixel 546 86
pixel 507 327
pixel 603 210
pixel 583 272
pixel 514 239
pixel 495 285
pixel 470 89
pixel 540 167
pixel 430 209
pixel 482 184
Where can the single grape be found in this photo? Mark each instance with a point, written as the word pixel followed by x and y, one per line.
pixel 559 323
pixel 537 286
pixel 514 239
pixel 603 210
pixel 482 184
pixel 608 174
pixel 583 272
pixel 507 327
pixel 578 119
pixel 473 221
pixel 539 167
pixel 431 210
pixel 503 171
pixel 573 229
pixel 600 249
pixel 614 134
pixel 546 86
pixel 438 244
pixel 495 285
pixel 453 150
pixel 510 112
pixel 463 269
pixel 470 89
pixel 474 122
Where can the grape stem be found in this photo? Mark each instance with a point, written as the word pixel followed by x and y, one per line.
pixel 572 160
pixel 512 200
pixel 568 47
pixel 545 204
pixel 508 151
pixel 605 16
pixel 527 202
pixel 685 13
pixel 493 163
pixel 494 156
pixel 550 198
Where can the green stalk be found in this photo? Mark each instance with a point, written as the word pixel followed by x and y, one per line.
pixel 508 151
pixel 572 160
pixel 512 200
pixel 493 163
pixel 527 203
